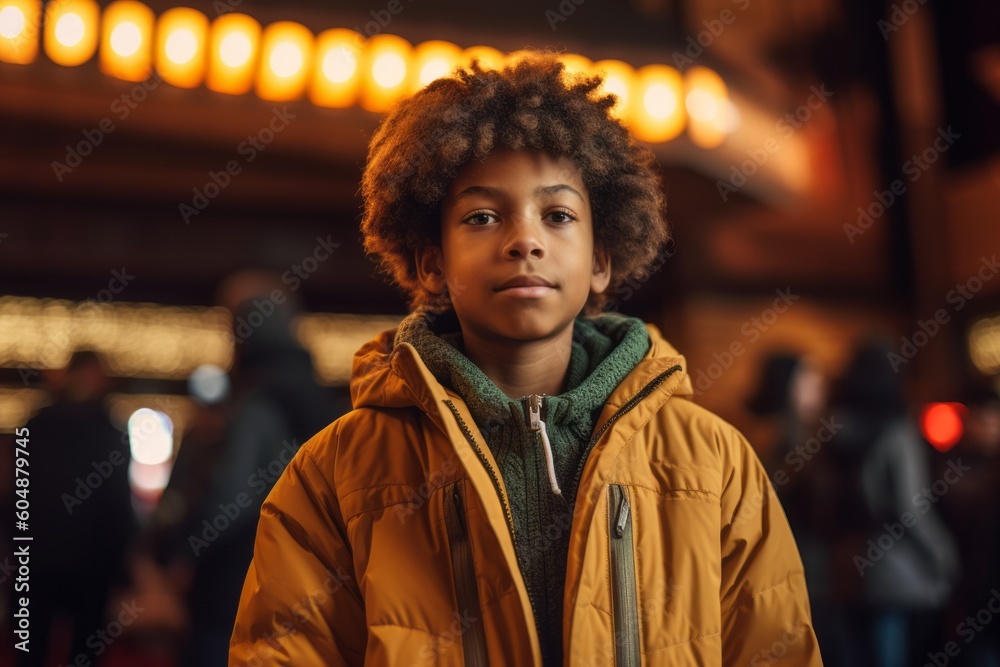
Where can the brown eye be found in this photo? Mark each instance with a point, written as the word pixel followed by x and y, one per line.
pixel 560 216
pixel 479 218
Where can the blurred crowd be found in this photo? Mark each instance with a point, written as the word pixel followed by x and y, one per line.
pixel 899 539
pixel 114 582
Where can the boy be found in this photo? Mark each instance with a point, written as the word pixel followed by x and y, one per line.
pixel 519 484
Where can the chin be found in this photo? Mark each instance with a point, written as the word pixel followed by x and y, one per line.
pixel 533 325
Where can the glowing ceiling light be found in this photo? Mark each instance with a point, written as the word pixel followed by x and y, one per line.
pixel 575 65
pixel 286 54
pixel 339 65
pixel 660 100
pixel 181 44
pixel 707 103
pixel 126 49
pixel 389 70
pixel 19 21
pixel 488 57
pixel 286 59
pixel 386 59
pixel 336 81
pixel 232 51
pixel 71 31
pixel 11 22
pixel 126 38
pixel 433 60
pixel 658 114
pixel 236 49
pixel 618 81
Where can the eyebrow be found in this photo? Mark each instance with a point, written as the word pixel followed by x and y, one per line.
pixel 498 193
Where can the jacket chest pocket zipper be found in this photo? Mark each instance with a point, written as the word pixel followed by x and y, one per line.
pixel 625 611
pixel 464 572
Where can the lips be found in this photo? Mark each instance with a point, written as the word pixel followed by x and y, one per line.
pixel 524 281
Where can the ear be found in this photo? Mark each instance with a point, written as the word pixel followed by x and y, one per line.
pixel 430 268
pixel 600 276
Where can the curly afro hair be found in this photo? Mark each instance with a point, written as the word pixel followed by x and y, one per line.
pixel 531 104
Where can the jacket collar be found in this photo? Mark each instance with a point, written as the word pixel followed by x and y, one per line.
pixel 391 375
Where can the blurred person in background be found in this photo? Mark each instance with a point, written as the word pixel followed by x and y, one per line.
pixel 234 453
pixel 895 564
pixel 791 394
pixel 972 510
pixel 81 513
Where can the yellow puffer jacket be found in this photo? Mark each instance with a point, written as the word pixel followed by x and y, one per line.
pixel 388 540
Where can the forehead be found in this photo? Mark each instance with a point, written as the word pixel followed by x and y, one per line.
pixel 514 170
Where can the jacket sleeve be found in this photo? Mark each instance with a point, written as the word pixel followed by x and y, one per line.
pixel 765 606
pixel 300 604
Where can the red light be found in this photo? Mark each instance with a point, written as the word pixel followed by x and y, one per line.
pixel 942 424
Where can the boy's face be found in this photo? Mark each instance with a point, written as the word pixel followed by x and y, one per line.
pixel 516 216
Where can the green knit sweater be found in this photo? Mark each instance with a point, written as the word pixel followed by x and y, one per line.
pixel 605 349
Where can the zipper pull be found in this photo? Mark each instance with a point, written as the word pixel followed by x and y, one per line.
pixel 534 412
pixel 623 511
pixel 536 423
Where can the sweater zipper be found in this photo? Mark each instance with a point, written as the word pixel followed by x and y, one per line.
pixel 534 405
pixel 464 572
pixel 625 609
pixel 509 518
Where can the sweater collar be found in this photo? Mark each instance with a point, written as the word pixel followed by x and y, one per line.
pixel 605 348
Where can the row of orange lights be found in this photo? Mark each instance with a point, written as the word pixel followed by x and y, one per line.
pixel 285 61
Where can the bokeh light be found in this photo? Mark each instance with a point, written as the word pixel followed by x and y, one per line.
pixel 126 40
pixel 942 424
pixel 71 31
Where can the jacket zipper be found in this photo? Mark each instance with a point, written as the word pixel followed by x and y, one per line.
pixel 466 589
pixel 496 485
pixel 625 609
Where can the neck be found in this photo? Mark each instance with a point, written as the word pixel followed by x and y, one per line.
pixel 520 368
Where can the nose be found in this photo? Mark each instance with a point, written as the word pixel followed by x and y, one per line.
pixel 524 240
